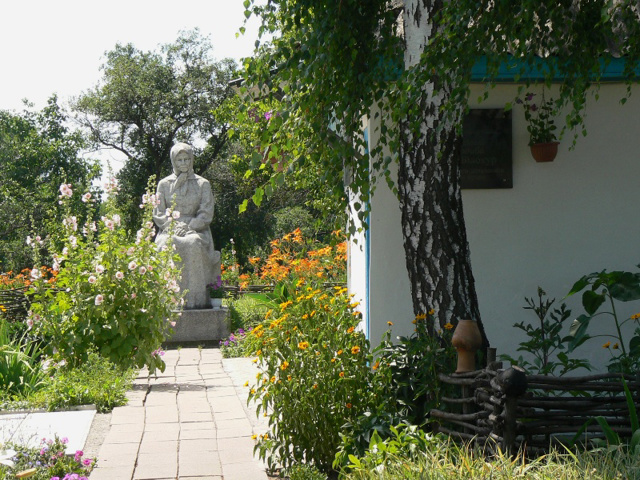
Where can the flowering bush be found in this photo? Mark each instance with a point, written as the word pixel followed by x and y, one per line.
pixel 315 375
pixel 234 345
pixel 48 462
pixel 111 293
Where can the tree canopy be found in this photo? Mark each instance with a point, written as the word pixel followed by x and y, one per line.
pixel 147 101
pixel 38 153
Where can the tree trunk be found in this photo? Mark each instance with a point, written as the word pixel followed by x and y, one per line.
pixel 435 238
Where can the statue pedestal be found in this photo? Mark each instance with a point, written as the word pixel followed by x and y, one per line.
pixel 206 325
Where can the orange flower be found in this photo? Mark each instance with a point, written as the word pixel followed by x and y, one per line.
pixel 339 352
pixel 376 365
pixel 341 374
pixel 284 365
pixel 390 323
pixel 303 345
pixel 606 345
pixel 355 350
pixel 349 405
pixel 350 329
pixel 448 326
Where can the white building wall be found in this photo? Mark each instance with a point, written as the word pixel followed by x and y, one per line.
pixel 561 220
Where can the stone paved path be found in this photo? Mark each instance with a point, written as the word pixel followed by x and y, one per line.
pixel 190 422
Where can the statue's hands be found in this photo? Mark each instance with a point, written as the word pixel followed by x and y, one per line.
pixel 181 229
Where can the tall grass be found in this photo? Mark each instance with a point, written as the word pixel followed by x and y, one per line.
pixel 453 462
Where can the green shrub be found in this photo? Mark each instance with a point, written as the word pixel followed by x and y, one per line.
pixel 96 382
pixel 315 376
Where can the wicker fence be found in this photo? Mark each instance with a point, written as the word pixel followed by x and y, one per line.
pixel 514 411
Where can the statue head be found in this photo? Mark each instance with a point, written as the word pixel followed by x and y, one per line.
pixel 180 154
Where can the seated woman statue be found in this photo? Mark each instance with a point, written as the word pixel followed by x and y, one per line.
pixel 185 199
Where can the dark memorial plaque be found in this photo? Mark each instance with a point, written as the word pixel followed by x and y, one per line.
pixel 486 149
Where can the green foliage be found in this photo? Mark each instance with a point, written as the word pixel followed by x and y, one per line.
pixel 149 100
pixel 20 369
pixel 96 382
pixel 545 340
pixel 445 460
pixel 38 152
pixel 305 472
pixel 609 287
pixel 48 460
pixel 111 293
pixel 540 119
pixel 315 376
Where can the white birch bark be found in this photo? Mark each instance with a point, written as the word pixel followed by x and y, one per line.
pixel 434 232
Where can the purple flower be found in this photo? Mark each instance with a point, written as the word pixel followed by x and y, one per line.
pixel 529 96
pixel 267 115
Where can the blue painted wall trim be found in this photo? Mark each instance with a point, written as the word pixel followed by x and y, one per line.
pixel 512 71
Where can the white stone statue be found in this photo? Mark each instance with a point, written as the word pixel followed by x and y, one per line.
pixel 186 199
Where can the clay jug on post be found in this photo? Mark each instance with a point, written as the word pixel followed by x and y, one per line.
pixel 466 340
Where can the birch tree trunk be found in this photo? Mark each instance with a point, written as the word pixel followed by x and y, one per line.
pixel 434 232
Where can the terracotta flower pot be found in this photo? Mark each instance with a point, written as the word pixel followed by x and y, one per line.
pixel 544 152
pixel 466 340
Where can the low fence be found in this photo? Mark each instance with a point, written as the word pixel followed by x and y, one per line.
pixel 14 303
pixel 514 411
pixel 236 290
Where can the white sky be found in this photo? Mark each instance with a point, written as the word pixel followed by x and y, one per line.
pixel 57 46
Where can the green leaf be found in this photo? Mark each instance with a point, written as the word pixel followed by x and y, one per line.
pixel 579 285
pixel 243 206
pixel 612 437
pixel 257 196
pixel 591 301
pixel 577 333
pixel 626 287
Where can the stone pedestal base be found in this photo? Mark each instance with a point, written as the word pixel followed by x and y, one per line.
pixel 206 325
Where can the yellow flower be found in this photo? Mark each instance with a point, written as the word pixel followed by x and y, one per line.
pixel 355 350
pixel 350 330
pixel 289 377
pixel 246 384
pixel 635 316
pixel 253 437
pixel 421 316
pixel 255 360
pixel 284 365
pixel 354 305
pixel 448 326
pixel 615 346
pixel 432 311
pixel 303 345
pixel 258 376
pixel 3 308
pixel 253 391
pixel 341 374
pixel 390 323
pixel 273 379
pixel 376 365
pixel 315 385
pixel 339 352
pixel 259 352
pixel 333 360
pixel 285 304
pixel 606 345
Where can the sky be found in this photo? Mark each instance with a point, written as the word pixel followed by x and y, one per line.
pixel 49 46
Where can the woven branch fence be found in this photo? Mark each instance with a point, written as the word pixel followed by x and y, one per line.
pixel 507 409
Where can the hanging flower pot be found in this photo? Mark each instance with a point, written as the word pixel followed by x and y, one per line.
pixel 544 152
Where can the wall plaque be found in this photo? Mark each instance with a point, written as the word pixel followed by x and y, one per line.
pixel 486 149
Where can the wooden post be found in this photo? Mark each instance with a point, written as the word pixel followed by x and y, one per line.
pixel 513 383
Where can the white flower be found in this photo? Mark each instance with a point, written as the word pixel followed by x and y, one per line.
pixel 119 275
pixel 29 240
pixel 133 295
pixel 116 219
pixel 92 279
pixel 175 214
pixel 71 222
pixel 35 273
pixel 86 197
pixel 132 265
pixel 65 251
pixel 73 241
pixel 110 224
pixel 131 250
pixel 149 224
pixel 93 227
pixel 99 299
pixel 142 270
pixel 29 323
pixel 99 268
pixel 65 190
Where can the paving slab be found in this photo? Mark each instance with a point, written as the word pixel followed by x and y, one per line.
pixel 190 422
